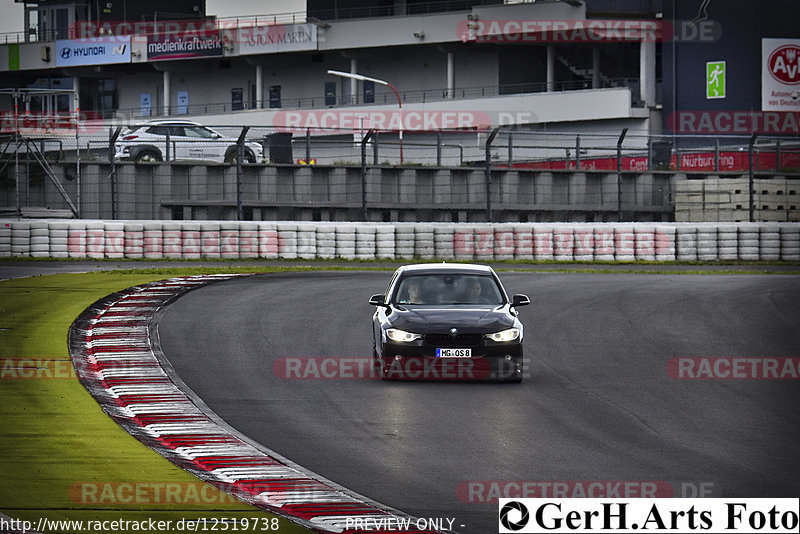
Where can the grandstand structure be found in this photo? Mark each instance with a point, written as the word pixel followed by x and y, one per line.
pixel 559 81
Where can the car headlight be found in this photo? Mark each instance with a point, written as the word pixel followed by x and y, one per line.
pixel 402 336
pixel 505 335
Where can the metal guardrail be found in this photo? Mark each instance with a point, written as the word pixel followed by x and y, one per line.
pixel 408 97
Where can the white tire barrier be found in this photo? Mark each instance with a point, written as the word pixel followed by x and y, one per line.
pixel 790 242
pixel 287 237
pixel 76 239
pixel 423 241
pixel 603 242
pixel 326 242
pixel 5 239
pixel 563 243
pixel 624 242
pixel 20 238
pixel 728 242
pixel 749 247
pixel 483 242
pixel 307 241
pixel 442 241
pixel 229 240
pixel 59 239
pixel 644 242
pixel 114 240
pixel 463 242
pixel 210 240
pixel 404 240
pixel 95 240
pixel 583 247
pixel 505 242
pixel 665 243
pixel 543 242
pixel 40 239
pixel 172 242
pixel 384 241
pixel 686 243
pixel 365 242
pixel 524 242
pixel 191 240
pixel 269 241
pixel 707 244
pixel 248 240
pixel 346 241
pixel 153 240
pixel 134 240
pixel 770 242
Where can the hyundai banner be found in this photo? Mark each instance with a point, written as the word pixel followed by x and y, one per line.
pixel 93 51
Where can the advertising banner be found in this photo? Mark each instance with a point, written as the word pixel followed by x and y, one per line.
pixel 184 45
pixel 183 102
pixel 277 38
pixel 780 74
pixel 145 104
pixel 93 51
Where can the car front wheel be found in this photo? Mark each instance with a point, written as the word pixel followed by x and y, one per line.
pixel 147 156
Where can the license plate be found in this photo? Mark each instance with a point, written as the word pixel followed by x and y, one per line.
pixel 454 353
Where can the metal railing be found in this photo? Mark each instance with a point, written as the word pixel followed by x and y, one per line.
pixel 437 94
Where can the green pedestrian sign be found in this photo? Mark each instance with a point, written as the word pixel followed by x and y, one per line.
pixel 13 57
pixel 715 79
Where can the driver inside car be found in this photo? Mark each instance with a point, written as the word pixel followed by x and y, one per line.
pixel 473 292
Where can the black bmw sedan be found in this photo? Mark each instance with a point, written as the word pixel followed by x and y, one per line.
pixel 447 322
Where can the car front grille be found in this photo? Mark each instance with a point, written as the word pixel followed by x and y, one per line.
pixel 446 340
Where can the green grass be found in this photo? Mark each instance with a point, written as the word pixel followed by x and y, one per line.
pixel 63 458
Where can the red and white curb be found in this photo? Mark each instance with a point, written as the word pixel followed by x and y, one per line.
pixel 115 357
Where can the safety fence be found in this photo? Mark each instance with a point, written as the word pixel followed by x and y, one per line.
pixel 500 176
pixel 98 239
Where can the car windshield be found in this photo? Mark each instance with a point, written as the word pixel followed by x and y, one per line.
pixel 448 289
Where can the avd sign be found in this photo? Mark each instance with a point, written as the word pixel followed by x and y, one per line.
pixel 780 74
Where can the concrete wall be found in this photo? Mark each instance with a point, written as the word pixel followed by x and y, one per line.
pixel 321 192
pixel 715 198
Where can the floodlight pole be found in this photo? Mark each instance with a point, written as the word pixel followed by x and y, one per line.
pixel 382 82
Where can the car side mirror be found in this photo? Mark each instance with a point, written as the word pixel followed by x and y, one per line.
pixel 376 300
pixel 520 300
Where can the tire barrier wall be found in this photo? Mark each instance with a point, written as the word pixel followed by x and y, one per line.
pixel 95 239
pixel 114 348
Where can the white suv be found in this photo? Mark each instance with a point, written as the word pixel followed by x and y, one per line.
pixel 187 140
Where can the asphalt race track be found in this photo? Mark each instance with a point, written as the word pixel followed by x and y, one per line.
pixel 598 406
